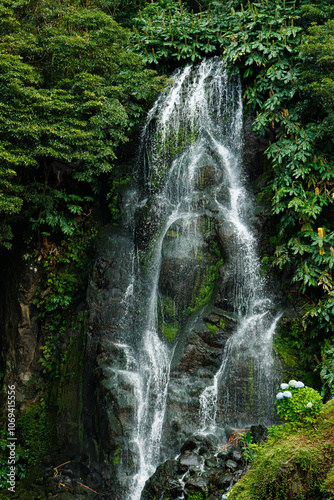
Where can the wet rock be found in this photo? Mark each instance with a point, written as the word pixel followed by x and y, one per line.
pixel 231 464
pixel 160 481
pixel 211 474
pixel 189 445
pixel 236 455
pixel 198 354
pixel 148 221
pixel 197 484
pixel 224 454
pixel 175 488
pixel 189 460
pixel 208 176
pixel 211 462
pixel 227 480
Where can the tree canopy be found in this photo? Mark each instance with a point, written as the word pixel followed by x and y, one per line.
pixel 72 89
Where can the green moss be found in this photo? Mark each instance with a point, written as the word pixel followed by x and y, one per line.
pixel 212 328
pixel 328 484
pixel 295 463
pixel 208 225
pixel 297 351
pixel 197 496
pixel 222 323
pixel 169 331
pixel 169 308
pixel 172 233
pixel 166 147
pixel 116 458
pixel 114 196
pixel 204 286
pixel 215 249
pixel 34 430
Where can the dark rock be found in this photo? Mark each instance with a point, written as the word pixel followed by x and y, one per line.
pixel 217 479
pixel 208 177
pixel 198 354
pixel 211 462
pixel 189 460
pixel 230 464
pixel 224 454
pixel 203 450
pixel 236 455
pixel 156 485
pixel 197 484
pixel 175 488
pixel 189 445
pixel 227 479
pixel 259 433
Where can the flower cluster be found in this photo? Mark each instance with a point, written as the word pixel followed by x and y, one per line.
pixel 287 394
pixel 298 403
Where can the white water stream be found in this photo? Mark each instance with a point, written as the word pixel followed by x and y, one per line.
pixel 198 122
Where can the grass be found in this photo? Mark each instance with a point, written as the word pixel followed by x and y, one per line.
pixel 297 463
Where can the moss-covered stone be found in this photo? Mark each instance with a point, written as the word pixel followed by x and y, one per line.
pixel 204 286
pixel 297 351
pixel 295 464
pixel 212 328
pixel 169 331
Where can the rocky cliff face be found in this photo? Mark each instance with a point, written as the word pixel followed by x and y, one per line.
pixel 19 326
pixel 196 318
pixel 92 405
pixel 46 370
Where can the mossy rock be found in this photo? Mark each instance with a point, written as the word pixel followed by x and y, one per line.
pixel 296 465
pixel 169 331
pixel 212 328
pixel 297 352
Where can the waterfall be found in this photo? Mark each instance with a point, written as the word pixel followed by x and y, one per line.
pixel 193 186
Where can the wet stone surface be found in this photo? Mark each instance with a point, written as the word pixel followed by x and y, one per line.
pixel 202 468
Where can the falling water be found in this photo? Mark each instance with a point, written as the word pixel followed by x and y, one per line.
pixel 197 122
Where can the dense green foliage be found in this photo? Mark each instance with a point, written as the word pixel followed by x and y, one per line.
pixel 291 95
pixel 166 30
pixel 71 91
pixel 66 267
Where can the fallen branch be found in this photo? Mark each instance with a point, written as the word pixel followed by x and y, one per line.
pixel 112 343
pixel 56 468
pixel 234 438
pixel 88 488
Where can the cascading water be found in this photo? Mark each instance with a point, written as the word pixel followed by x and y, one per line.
pixel 191 157
pixel 249 349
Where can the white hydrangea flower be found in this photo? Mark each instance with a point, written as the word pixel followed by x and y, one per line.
pixel 279 395
pixel 309 405
pixel 299 385
pixel 292 383
pixel 287 394
pixel 284 386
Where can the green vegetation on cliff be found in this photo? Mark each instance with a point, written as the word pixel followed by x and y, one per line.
pixel 295 463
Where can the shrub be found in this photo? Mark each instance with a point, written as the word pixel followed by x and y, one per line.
pixel 299 403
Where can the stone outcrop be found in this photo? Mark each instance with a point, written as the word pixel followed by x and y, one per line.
pixel 201 468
